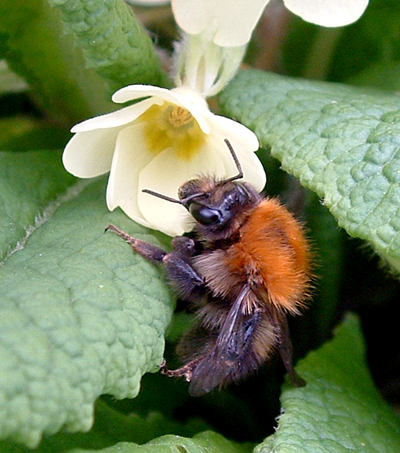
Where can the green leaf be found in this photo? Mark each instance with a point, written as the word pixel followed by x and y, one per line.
pixel 75 54
pixel 110 427
pixel 29 183
pixel 112 40
pixel 23 133
pixel 339 410
pixel 385 76
pixel 37 49
pixel 207 442
pixel 80 315
pixel 341 142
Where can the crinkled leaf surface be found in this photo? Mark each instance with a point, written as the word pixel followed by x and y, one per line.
pixel 341 142
pixel 340 409
pixel 80 315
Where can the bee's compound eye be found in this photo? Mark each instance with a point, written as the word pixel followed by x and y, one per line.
pixel 205 215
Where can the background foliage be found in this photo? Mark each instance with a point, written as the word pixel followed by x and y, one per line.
pixel 83 319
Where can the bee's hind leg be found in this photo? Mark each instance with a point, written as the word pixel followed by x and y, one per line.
pixel 186 370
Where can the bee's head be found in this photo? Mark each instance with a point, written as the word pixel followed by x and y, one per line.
pixel 218 207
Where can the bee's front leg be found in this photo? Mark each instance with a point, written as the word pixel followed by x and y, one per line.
pixel 180 272
pixel 149 251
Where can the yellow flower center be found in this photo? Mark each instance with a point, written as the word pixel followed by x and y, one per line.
pixel 172 126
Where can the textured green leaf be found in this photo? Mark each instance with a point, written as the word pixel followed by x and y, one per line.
pixel 111 427
pixel 29 182
pixel 339 410
pixel 112 40
pixel 341 142
pixel 80 315
pixel 36 47
pixel 207 442
pixel 75 54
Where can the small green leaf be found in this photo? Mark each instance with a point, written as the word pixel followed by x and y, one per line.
pixel 339 410
pixel 80 315
pixel 341 142
pixel 9 81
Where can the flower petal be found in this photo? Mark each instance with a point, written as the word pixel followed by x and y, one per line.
pixel 131 92
pixel 131 155
pixel 329 13
pixel 164 174
pixel 118 118
pixel 233 21
pixel 89 154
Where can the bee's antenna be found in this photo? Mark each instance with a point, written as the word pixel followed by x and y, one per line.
pixel 237 163
pixel 160 195
pixel 183 202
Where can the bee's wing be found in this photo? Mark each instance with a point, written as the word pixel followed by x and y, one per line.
pixel 223 363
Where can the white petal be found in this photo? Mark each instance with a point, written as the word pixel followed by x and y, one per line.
pixel 116 119
pixel 89 154
pixel 132 92
pixel 232 21
pixel 130 156
pixel 165 174
pixel 329 13
pixel 244 143
pixel 148 2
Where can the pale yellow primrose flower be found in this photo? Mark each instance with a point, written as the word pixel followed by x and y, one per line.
pixel 233 21
pixel 158 144
pixel 216 34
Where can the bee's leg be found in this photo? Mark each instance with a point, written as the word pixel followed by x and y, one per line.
pixel 286 352
pixel 185 371
pixel 147 250
pixel 188 283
